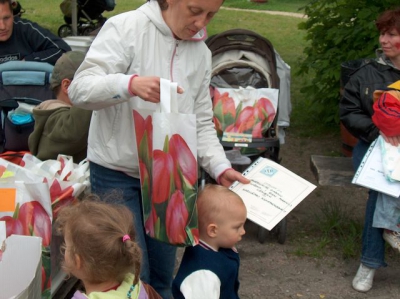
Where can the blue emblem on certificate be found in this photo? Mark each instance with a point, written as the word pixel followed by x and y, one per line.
pixel 269 171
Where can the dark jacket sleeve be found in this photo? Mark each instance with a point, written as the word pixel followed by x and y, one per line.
pixel 355 107
pixel 46 46
pixel 356 110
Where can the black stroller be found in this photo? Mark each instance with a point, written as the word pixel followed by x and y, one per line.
pixel 242 58
pixel 89 16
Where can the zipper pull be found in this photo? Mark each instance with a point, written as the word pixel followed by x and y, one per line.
pixel 366 91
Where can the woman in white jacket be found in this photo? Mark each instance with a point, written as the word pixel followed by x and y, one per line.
pixel 121 72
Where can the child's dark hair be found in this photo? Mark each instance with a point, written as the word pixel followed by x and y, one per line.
pixel 96 230
pixel 388 20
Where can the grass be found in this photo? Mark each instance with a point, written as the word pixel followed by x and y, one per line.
pixel 334 228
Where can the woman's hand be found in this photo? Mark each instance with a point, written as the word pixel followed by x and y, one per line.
pixel 148 88
pixel 394 140
pixel 228 177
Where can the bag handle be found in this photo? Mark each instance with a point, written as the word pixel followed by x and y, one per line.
pixel 168 96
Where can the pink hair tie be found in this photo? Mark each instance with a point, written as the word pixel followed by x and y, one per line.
pixel 126 237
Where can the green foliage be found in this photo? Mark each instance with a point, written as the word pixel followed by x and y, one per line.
pixel 337 31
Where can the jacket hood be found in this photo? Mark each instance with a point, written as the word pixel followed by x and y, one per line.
pixel 382 59
pixel 51 104
pixel 153 11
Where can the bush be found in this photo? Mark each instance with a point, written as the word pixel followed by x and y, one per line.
pixel 337 31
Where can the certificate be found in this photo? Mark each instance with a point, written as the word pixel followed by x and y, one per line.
pixel 273 192
pixel 370 173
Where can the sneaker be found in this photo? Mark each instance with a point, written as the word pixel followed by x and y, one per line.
pixel 393 238
pixel 362 282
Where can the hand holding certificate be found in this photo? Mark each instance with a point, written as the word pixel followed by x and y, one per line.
pixel 274 191
pixel 370 173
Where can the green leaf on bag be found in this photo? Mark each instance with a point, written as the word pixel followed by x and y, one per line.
pixel 190 238
pixel 190 196
pixel 157 225
pixel 193 221
pixel 146 199
pixel 16 212
pixel 144 152
pixel 218 112
pixel 238 109
pixel 166 144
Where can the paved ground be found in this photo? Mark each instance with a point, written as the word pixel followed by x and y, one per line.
pixel 281 13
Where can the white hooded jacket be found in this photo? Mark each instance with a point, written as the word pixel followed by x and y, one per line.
pixel 140 42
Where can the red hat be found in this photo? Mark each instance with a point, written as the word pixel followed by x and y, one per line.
pixel 387 112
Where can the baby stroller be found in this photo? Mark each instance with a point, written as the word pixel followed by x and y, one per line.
pixel 23 85
pixel 244 59
pixel 89 16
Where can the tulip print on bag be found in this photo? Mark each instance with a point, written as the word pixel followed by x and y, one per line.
pixel 35 192
pixel 167 154
pixel 240 115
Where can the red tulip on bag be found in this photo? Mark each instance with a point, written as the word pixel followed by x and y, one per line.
pixel 245 120
pixel 144 131
pixel 265 109
pixel 35 221
pixel 257 130
pixel 162 176
pixel 245 110
pixel 60 197
pixel 184 161
pixel 177 218
pixel 224 110
pixel 151 222
pixel 13 226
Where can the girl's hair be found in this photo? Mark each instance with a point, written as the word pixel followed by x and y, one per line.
pixel 96 230
pixel 388 20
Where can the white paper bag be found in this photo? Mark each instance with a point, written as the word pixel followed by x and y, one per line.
pixel 20 268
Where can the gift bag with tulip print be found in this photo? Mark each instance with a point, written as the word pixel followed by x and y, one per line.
pixel 243 114
pixel 167 153
pixel 31 195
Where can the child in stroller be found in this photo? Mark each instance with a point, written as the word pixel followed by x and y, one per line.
pixel 17 8
pixel 89 16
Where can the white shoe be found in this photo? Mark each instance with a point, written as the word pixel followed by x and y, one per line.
pixel 362 282
pixel 393 238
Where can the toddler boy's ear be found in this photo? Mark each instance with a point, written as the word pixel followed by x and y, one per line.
pixel 212 230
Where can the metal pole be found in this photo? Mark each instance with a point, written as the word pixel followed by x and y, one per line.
pixel 74 18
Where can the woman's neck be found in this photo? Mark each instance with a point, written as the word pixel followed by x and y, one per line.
pixel 396 62
pixel 100 287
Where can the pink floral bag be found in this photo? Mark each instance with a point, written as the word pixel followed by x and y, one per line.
pixel 244 114
pixel 166 142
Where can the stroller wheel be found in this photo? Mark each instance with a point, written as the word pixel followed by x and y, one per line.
pixel 282 228
pixel 64 30
pixel 261 234
pixel 88 30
